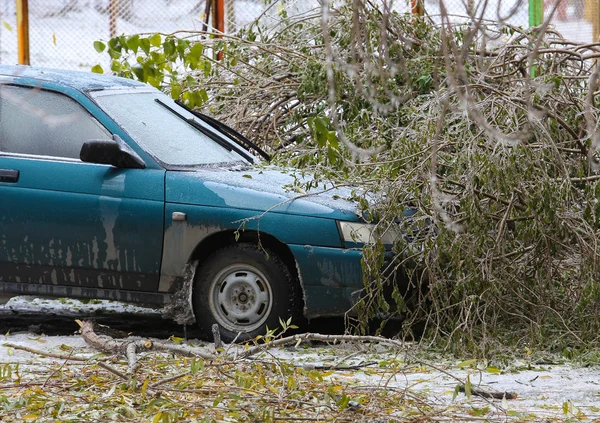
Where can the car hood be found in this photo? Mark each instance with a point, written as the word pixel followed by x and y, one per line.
pixel 257 189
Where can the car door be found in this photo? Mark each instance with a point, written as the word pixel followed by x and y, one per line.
pixel 68 223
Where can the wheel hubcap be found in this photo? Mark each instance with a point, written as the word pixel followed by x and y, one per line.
pixel 240 298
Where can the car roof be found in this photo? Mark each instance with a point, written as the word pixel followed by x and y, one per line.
pixel 81 81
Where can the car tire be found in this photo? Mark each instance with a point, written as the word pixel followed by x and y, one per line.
pixel 243 289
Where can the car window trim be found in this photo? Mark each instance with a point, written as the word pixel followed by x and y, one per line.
pixel 104 92
pixel 46 158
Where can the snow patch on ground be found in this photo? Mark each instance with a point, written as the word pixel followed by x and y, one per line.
pixel 69 306
pixel 544 391
pixel 50 344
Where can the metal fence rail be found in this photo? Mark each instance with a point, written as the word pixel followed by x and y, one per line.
pixel 62 32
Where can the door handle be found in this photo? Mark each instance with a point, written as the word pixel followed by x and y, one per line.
pixel 9 175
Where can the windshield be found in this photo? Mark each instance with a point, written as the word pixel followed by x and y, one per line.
pixel 164 133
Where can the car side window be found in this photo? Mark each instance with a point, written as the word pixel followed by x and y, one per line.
pixel 44 123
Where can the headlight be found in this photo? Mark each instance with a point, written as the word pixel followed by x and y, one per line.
pixel 364 233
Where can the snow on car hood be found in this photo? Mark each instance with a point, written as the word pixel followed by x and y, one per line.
pixel 258 189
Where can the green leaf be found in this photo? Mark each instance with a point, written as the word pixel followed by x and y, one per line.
pixel 479 412
pixel 207 68
pixel 115 47
pixel 133 43
pixel 333 140
pixel 145 45
pixel 97 69
pixel 331 155
pixel 321 138
pixel 203 95
pixel 218 400
pixel 197 366
pixel 145 386
pixel 155 40
pixel 467 363
pixel 99 46
pixel 182 46
pixel 114 53
pixel 176 91
pixel 115 66
pixel 468 387
pixel 7 26
pixel 169 48
pixel 139 73
pixel 492 369
pixel 186 97
pixel 456 392
pixel 250 177
pixel 196 51
pixel 321 124
pixel 190 81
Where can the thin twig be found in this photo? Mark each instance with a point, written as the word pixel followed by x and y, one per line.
pixel 45 353
pixel 112 370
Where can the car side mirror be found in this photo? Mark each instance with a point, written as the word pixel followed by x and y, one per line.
pixel 111 152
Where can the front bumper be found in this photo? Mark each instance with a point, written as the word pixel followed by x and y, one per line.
pixel 331 279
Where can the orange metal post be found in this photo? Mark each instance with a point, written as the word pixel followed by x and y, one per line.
pixel 112 18
pixel 219 21
pixel 416 7
pixel 23 31
pixel 219 15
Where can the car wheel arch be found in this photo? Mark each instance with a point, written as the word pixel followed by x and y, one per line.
pixel 219 240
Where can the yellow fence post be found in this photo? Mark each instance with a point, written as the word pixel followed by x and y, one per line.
pixel 592 15
pixel 596 22
pixel 23 31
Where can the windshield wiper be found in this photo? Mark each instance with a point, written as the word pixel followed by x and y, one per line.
pixel 222 142
pixel 227 130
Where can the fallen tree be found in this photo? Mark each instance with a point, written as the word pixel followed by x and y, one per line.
pixel 487 131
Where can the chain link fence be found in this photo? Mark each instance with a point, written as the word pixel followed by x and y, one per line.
pixel 574 19
pixel 62 32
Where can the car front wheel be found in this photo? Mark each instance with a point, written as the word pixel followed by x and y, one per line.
pixel 244 290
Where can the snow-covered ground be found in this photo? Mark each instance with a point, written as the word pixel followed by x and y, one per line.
pixel 544 391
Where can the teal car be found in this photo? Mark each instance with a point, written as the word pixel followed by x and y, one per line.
pixel 111 190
